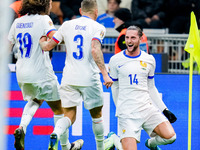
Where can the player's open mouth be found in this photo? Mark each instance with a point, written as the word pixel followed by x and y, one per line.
pixel 130 45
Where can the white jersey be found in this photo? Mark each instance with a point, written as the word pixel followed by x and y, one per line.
pixel 132 74
pixel 33 64
pixel 80 68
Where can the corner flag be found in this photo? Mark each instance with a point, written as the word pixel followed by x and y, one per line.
pixel 193 43
pixel 193 47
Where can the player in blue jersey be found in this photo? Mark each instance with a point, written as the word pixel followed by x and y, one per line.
pixel 107 18
pixel 34 70
pixel 84 61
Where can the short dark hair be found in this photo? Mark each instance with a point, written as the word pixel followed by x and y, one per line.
pixel 34 7
pixel 140 33
pixel 88 5
pixel 118 1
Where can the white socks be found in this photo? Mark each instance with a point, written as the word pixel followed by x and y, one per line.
pixel 61 126
pixel 157 140
pixel 29 110
pixel 64 141
pixel 98 130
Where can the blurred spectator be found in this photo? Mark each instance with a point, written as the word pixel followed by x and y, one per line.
pixel 197 12
pixel 178 14
pixel 106 19
pixel 54 18
pixel 15 6
pixel 122 21
pixel 70 9
pixel 148 13
pixel 126 4
pixel 56 10
pixel 102 5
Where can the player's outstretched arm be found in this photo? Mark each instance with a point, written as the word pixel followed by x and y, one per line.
pixel 98 58
pixel 154 94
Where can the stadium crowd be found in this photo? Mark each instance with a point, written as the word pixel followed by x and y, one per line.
pixel 174 15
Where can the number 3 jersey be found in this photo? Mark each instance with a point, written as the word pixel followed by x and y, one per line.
pixel 80 68
pixel 33 65
pixel 132 74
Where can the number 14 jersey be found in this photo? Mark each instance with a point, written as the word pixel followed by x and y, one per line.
pixel 132 74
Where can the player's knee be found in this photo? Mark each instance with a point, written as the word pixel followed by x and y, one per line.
pixel 171 140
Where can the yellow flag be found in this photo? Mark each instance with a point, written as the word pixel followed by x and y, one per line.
pixel 193 43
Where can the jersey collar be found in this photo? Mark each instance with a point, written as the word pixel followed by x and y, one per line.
pixel 124 52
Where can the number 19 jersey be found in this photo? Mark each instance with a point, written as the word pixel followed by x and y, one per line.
pixel 80 68
pixel 33 65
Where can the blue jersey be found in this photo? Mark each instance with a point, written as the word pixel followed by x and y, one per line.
pixel 106 20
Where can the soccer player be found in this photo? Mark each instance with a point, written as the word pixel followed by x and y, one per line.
pixel 81 79
pixel 132 71
pixel 34 70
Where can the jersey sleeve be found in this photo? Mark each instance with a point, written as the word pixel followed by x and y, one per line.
pixel 11 34
pixel 48 25
pixel 58 36
pixel 100 33
pixel 152 68
pixel 113 70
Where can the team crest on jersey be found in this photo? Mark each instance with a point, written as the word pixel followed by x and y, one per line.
pixel 50 23
pixel 102 34
pixel 123 131
pixel 144 65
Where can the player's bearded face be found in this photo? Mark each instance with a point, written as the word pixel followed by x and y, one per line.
pixel 132 40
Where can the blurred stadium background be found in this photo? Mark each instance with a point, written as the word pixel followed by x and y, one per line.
pixel 172 81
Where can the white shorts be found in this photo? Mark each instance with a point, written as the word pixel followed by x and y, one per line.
pixel 131 127
pixel 47 90
pixel 73 95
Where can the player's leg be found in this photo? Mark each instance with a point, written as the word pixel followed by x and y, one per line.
pixel 129 143
pixel 29 92
pixel 93 101
pixel 158 124
pixel 61 130
pixel 98 127
pixel 58 114
pixel 129 132
pixel 165 135
pixel 61 127
pixel 29 110
pixel 53 100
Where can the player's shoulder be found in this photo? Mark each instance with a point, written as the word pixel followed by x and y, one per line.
pixel 147 56
pixel 116 57
pixel 98 25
